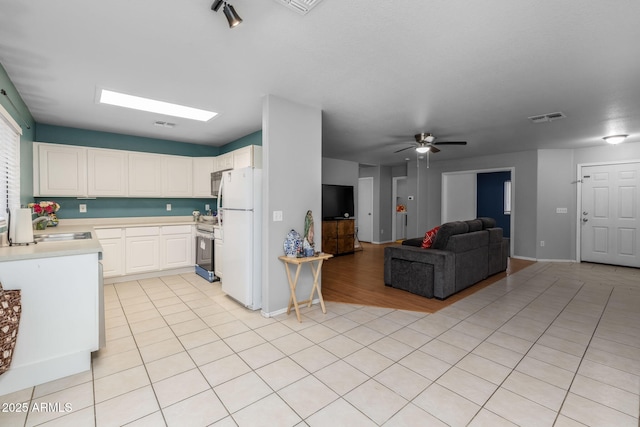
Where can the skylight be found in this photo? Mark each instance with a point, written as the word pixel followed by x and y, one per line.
pixel 153 106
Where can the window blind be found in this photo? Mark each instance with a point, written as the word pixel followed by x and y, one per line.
pixel 9 163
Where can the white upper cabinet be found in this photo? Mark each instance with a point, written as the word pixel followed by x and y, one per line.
pixel 224 162
pixel 177 176
pixel 107 172
pixel 249 156
pixel 59 170
pixel 74 171
pixel 145 175
pixel 202 169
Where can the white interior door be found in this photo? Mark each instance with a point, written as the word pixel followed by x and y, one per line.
pixel 610 214
pixel 365 209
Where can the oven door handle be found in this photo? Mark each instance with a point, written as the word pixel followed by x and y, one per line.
pixel 204 234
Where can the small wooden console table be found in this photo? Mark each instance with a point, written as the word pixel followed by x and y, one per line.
pixel 294 281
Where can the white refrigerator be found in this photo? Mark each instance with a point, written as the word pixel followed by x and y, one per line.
pixel 241 201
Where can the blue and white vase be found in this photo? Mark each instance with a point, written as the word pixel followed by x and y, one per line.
pixel 292 244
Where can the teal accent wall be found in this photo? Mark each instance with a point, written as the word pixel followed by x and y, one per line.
pixel 111 207
pixel 251 139
pixel 91 138
pixel 23 117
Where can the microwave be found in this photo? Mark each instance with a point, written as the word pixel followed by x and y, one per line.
pixel 216 179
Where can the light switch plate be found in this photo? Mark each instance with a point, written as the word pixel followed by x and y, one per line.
pixel 277 216
pixel 168 206
pixel 561 210
pixel 83 208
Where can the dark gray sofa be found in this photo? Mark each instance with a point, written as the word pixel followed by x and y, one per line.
pixel 463 253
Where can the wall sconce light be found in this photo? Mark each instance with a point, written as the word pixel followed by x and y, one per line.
pixel 615 139
pixel 229 11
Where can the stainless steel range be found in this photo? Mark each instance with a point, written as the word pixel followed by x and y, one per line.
pixel 205 260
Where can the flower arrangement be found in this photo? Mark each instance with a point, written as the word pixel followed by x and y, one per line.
pixel 44 208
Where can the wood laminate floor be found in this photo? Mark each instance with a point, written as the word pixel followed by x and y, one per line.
pixel 358 279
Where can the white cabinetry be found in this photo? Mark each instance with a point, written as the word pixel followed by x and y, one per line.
pixel 217 257
pixel 249 156
pixel 177 176
pixel 107 172
pixel 145 175
pixel 59 170
pixel 202 169
pixel 134 250
pixel 223 162
pixel 176 243
pixel 142 249
pixel 112 251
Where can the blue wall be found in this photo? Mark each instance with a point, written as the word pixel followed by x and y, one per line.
pixel 490 199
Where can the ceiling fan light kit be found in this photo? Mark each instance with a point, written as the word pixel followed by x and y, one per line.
pixel 426 142
pixel 615 139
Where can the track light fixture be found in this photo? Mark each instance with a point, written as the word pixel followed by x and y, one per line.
pixel 229 11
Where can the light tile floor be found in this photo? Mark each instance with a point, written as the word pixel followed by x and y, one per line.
pixel 555 344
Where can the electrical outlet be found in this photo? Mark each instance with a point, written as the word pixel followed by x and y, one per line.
pixel 207 207
pixel 277 216
pixel 168 206
pixel 541 243
pixel 83 208
pixel 381 231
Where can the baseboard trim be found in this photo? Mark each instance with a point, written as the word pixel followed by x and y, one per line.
pixel 149 275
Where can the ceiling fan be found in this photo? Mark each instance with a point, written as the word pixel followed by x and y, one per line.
pixel 425 143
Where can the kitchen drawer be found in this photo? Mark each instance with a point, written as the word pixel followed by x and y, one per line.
pixel 109 233
pixel 176 229
pixel 142 231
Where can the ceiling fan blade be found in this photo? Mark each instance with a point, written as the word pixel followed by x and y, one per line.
pixel 434 149
pixel 402 149
pixel 451 143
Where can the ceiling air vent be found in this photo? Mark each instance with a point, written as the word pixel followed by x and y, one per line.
pixel 164 124
pixel 301 6
pixel 547 117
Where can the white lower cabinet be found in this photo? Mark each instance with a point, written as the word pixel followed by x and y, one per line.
pixel 217 257
pixel 135 250
pixel 176 243
pixel 142 249
pixel 112 251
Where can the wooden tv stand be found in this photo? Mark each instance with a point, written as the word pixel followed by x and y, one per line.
pixel 338 236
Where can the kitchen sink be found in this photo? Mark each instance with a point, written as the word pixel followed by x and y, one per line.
pixel 61 237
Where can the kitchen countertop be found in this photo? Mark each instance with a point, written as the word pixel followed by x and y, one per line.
pixel 83 246
pixel 54 249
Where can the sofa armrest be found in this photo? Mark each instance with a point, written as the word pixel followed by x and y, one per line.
pixel 443 263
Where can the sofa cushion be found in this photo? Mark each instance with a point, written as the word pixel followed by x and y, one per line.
pixel 487 222
pixel 447 230
pixel 429 237
pixel 474 225
pixel 417 242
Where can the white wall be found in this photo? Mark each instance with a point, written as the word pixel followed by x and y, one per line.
pixel 427 183
pixel 556 189
pixel 461 190
pixel 292 174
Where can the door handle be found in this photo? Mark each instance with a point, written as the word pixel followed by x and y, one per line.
pixel 585 219
pixel 585 213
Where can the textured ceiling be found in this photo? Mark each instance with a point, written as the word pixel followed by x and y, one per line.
pixel 381 71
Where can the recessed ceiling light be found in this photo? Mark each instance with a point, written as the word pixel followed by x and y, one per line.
pixel 615 139
pixel 153 106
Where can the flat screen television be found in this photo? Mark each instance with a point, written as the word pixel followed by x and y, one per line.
pixel 337 201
